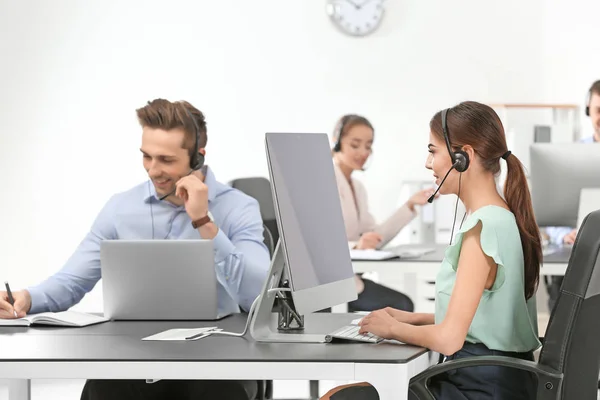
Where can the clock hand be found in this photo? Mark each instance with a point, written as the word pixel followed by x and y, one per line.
pixel 365 3
pixel 354 4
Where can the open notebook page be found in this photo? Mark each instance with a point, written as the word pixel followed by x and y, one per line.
pixel 63 318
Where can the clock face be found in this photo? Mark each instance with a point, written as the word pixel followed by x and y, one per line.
pixel 356 17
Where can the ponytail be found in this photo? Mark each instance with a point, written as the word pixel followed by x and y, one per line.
pixel 518 198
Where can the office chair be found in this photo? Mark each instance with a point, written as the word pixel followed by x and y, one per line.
pixel 260 189
pixel 268 240
pixel 569 361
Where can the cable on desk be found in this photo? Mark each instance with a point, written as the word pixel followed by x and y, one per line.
pixel 250 313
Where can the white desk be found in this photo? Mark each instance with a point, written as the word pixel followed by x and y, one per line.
pixel 114 351
pixel 416 277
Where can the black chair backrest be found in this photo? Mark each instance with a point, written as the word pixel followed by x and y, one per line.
pixel 260 189
pixel 268 239
pixel 572 340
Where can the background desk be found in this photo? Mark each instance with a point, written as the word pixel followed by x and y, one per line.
pixel 114 350
pixel 416 276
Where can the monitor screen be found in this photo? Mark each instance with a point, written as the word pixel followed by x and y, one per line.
pixel 309 211
pixel 559 171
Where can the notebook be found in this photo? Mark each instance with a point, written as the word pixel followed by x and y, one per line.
pixel 64 318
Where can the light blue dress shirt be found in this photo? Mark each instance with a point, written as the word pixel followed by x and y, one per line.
pixel 556 234
pixel 241 258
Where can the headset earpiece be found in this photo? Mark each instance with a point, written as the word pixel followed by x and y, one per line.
pixel 587 102
pixel 587 106
pixel 196 158
pixel 461 160
pixel 337 147
pixel 198 162
pixel 338 144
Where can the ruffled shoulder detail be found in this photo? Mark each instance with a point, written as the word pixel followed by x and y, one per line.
pixel 488 240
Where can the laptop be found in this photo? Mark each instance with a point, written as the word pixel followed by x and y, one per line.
pixel 159 280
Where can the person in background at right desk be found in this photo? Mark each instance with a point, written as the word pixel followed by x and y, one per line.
pixel 353 138
pixel 565 235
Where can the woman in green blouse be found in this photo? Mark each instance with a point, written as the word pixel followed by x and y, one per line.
pixel 485 289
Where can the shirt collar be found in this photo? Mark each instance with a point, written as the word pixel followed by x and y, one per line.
pixel 209 180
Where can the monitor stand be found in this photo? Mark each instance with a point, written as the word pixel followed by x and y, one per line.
pixel 290 325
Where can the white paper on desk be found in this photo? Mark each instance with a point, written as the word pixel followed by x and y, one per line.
pixel 182 334
pixel 356 254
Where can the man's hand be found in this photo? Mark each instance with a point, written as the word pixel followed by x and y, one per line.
pixel 369 240
pixel 22 304
pixel 379 323
pixel 570 237
pixel 194 193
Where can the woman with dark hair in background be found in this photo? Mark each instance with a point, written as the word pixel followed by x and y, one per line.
pixel 353 138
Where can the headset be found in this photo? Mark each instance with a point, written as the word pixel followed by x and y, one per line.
pixel 196 158
pixel 338 144
pixel 587 102
pixel 460 159
pixel 460 162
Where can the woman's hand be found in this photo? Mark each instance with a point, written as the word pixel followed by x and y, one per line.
pixel 400 315
pixel 369 240
pixel 420 198
pixel 379 323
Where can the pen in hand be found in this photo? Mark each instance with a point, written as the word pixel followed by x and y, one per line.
pixel 11 299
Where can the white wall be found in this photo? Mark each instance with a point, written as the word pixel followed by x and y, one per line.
pixel 72 74
pixel 571 52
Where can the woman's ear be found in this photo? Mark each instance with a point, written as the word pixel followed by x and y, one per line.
pixel 470 152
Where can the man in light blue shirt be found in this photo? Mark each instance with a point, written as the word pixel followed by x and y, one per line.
pixel 561 235
pixel 182 200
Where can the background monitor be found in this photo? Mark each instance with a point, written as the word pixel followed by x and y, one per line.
pixel 559 171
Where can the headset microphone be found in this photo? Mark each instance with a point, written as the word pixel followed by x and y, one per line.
pixel 430 199
pixel 174 190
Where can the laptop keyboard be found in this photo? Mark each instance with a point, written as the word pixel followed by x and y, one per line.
pixel 350 332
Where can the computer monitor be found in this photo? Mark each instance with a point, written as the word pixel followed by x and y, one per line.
pixel 313 249
pixel 559 171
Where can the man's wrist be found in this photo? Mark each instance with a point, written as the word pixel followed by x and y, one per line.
pixel 208 230
pixel 199 222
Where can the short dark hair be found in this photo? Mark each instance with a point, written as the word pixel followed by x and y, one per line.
pixel 595 88
pixel 163 114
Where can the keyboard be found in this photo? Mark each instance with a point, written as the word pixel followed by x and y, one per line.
pixel 410 252
pixel 350 332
